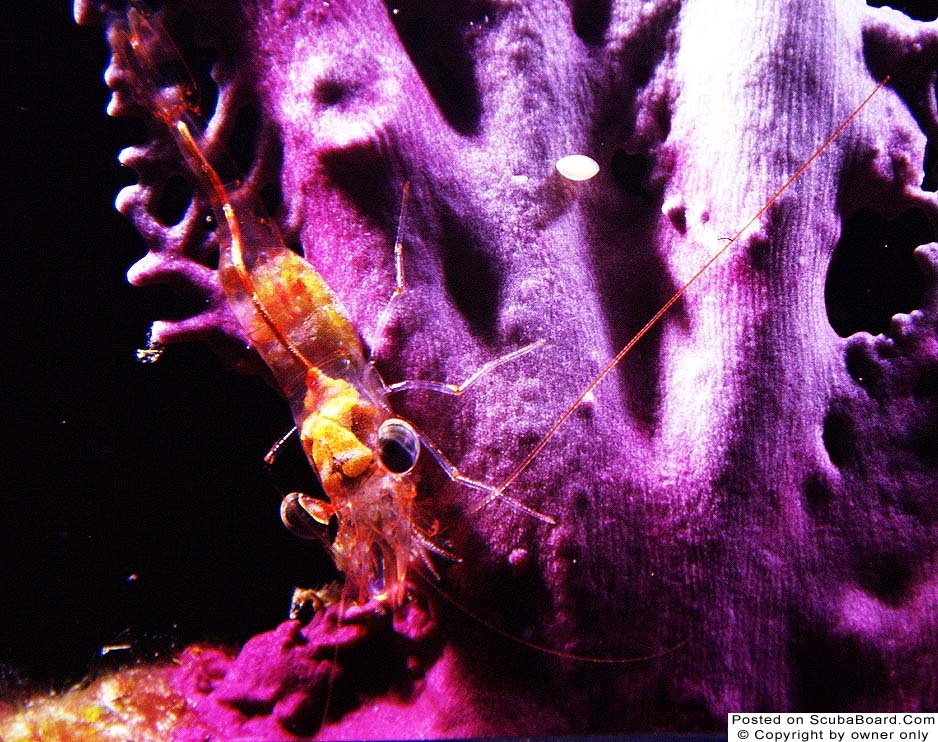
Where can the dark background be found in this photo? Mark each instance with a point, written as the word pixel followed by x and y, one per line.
pixel 134 505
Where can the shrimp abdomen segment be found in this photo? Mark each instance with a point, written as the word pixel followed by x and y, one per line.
pixel 289 313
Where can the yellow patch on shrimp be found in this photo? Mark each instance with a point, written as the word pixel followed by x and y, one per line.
pixel 335 447
pixel 329 431
pixel 322 390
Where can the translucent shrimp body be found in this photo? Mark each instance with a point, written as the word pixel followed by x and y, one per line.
pixel 300 329
pixel 297 325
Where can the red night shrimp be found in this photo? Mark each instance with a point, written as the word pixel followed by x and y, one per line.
pixel 362 453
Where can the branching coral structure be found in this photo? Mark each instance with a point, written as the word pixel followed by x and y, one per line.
pixel 745 508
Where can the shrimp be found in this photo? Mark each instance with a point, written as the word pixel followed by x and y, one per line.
pixel 362 453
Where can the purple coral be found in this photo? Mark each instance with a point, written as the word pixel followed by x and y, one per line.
pixel 750 490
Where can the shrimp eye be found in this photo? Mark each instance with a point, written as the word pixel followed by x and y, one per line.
pixel 398 446
pixel 301 515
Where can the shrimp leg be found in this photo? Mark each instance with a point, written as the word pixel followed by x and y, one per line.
pixel 440 387
pixel 454 475
pixel 458 389
pixel 400 287
pixel 271 456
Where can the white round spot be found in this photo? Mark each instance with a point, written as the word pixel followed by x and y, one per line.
pixel 577 167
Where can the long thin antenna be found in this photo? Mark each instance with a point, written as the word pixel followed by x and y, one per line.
pixel 544 648
pixel 526 462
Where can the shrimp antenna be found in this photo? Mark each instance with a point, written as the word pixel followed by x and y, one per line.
pixel 179 112
pixel 596 660
pixel 221 201
pixel 526 462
